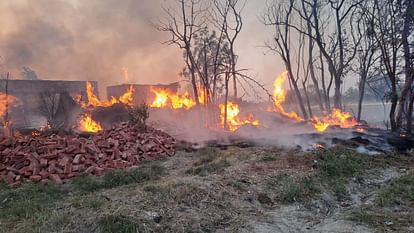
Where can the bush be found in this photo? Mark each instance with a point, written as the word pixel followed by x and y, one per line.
pixel 139 114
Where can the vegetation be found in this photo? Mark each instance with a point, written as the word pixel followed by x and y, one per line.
pixel 392 209
pixel 139 114
pixel 118 178
pixel 123 224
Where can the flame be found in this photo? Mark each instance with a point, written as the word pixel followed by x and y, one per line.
pixel 4 101
pixel 201 95
pixel 182 101
pixel 233 121
pixel 87 124
pixel 336 118
pixel 125 73
pixel 279 97
pixel 163 99
pixel 128 97
pixel 93 101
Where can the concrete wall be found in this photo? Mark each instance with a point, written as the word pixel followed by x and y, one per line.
pixel 28 111
pixel 24 87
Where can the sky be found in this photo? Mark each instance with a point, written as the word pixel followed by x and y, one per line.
pixel 97 39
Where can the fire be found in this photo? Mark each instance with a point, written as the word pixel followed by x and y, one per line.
pixel 279 97
pixel 128 97
pixel 163 98
pixel 233 120
pixel 125 73
pixel 182 101
pixel 4 101
pixel 93 100
pixel 87 124
pixel 201 95
pixel 336 118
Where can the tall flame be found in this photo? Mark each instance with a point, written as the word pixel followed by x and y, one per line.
pixel 93 101
pixel 233 120
pixel 163 98
pixel 125 73
pixel 87 124
pixel 201 95
pixel 4 101
pixel 336 118
pixel 279 97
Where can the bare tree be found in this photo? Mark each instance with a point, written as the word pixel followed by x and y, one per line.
pixel 229 12
pixel 406 97
pixel 183 22
pixel 388 38
pixel 49 103
pixel 279 15
pixel 367 49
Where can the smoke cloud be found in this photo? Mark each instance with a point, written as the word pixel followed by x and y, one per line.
pixel 97 39
pixel 86 40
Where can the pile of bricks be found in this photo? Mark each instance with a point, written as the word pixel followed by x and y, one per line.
pixel 60 157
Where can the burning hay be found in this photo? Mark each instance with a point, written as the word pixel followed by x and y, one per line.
pixel 57 157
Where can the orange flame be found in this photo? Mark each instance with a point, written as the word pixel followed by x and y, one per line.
pixel 93 101
pixel 279 97
pixel 126 76
pixel 163 99
pixel 336 118
pixel 233 120
pixel 87 124
pixel 201 95
pixel 4 101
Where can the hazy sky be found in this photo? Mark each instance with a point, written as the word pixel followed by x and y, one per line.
pixel 96 39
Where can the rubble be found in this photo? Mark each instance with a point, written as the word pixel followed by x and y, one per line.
pixel 57 157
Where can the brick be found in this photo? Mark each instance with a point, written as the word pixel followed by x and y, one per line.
pixel 68 168
pixel 77 159
pixel 35 178
pixel 43 162
pixel 55 178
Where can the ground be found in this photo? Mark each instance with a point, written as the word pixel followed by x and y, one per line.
pixel 232 189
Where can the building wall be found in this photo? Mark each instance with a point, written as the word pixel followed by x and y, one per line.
pixel 27 111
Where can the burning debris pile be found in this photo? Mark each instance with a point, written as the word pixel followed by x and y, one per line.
pixel 56 157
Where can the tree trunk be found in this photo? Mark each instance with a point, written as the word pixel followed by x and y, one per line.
pixel 312 72
pixel 307 100
pixel 408 69
pixel 226 96
pixel 394 102
pixel 297 91
pixel 325 94
pixel 337 94
pixel 410 114
pixel 361 94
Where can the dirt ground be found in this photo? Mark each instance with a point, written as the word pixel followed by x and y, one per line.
pixel 232 189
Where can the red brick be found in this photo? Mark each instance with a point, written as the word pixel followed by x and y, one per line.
pixel 68 168
pixel 55 178
pixel 77 159
pixel 35 178
pixel 43 162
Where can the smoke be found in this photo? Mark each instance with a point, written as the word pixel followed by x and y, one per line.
pixel 86 40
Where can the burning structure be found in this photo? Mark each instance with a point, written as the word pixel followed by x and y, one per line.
pixel 143 93
pixel 38 101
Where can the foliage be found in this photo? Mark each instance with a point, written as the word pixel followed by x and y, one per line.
pixel 28 74
pixel 139 114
